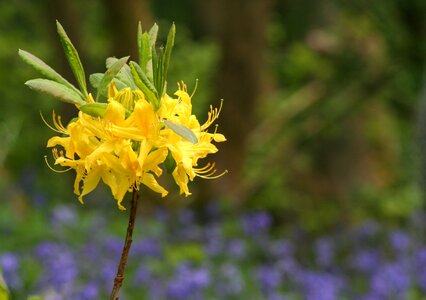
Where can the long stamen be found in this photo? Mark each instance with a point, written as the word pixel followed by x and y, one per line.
pixel 48 125
pixel 195 88
pixel 58 122
pixel 207 168
pixel 51 168
pixel 212 115
pixel 208 171
pixel 209 176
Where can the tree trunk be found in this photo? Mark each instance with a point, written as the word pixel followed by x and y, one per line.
pixel 240 27
pixel 123 17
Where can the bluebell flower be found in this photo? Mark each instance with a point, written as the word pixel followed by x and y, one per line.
pixel 63 215
pixel 212 210
pixel 113 246
pixel 47 249
pixel 269 279
pixel 230 281
pixel 142 275
pixel 39 199
pixel 281 248
pixel 256 223
pixel 366 260
pixel 320 286
pixel 419 262
pixel 324 251
pixel 161 215
pixel 146 247
pixel 188 282
pixel 91 251
pixel 390 280
pixel 399 240
pixel 214 246
pixel 237 248
pixel 288 266
pixel 201 278
pixel 186 216
pixel 89 292
pixel 60 267
pixel 107 273
pixel 157 289
pixel 367 230
pixel 10 264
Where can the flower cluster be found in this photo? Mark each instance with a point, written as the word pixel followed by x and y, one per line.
pixel 126 146
pixel 132 129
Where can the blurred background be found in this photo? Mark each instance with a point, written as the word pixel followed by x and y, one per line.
pixel 325 115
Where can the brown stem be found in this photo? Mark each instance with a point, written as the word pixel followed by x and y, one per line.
pixel 118 281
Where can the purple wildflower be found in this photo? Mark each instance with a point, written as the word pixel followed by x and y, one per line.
pixel 188 283
pixel 230 281
pixel 90 292
pixel 237 248
pixel 390 280
pixel 147 247
pixel 256 223
pixel 366 260
pixel 320 286
pixel 399 241
pixel 269 278
pixel 63 215
pixel 324 250
pixel 10 264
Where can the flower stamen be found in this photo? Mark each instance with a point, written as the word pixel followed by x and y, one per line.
pixel 208 171
pixel 59 128
pixel 55 156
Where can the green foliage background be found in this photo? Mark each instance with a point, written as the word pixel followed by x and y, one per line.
pixel 343 89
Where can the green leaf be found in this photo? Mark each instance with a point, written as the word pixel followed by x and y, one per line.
pixel 169 163
pixel 148 64
pixel 73 58
pixel 45 69
pixel 151 97
pixel 56 90
pixel 97 109
pixel 121 85
pixel 159 82
pixel 153 32
pixel 140 44
pixel 125 76
pixel 182 131
pixel 35 298
pixel 110 74
pixel 154 67
pixel 95 79
pixel 146 42
pixel 167 53
pixel 94 109
pixel 144 78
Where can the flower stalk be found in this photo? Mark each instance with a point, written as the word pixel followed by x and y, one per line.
pixel 130 130
pixel 118 281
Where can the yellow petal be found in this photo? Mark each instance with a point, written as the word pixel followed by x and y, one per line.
pixel 90 181
pixel 115 112
pixel 150 181
pixel 181 180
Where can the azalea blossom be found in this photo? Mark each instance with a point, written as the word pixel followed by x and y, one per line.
pixel 127 144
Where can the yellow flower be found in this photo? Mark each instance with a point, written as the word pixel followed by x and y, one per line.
pixel 115 149
pixel 126 146
pixel 185 153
